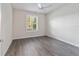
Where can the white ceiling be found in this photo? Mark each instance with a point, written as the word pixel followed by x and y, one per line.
pixel 34 7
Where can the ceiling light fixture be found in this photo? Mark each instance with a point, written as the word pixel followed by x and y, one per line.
pixel 42 5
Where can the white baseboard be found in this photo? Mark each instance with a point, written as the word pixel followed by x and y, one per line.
pixel 5 49
pixel 74 44
pixel 27 37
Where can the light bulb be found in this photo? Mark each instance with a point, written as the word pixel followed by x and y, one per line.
pixel 40 6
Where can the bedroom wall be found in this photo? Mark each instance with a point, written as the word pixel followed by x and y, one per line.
pixel 6 27
pixel 0 21
pixel 0 29
pixel 19 29
pixel 63 24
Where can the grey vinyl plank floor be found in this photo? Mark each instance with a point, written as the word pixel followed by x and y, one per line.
pixel 41 46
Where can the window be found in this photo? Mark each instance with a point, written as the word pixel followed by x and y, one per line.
pixel 32 23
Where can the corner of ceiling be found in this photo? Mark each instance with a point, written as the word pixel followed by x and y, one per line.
pixel 56 9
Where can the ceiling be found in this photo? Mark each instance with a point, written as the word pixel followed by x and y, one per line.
pixel 34 7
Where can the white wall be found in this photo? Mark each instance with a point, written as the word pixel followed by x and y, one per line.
pixel 63 24
pixel 0 29
pixel 0 21
pixel 19 29
pixel 6 27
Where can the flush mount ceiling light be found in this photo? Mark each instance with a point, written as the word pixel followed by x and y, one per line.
pixel 40 6
pixel 43 5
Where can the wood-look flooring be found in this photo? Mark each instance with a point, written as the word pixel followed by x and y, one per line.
pixel 41 46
